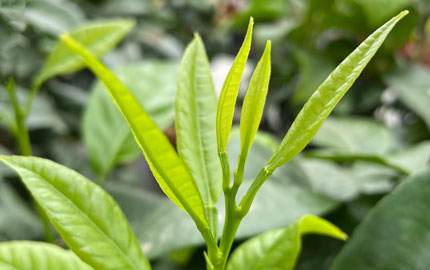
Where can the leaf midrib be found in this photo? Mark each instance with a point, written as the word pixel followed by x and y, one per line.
pixel 251 123
pixel 201 151
pixel 79 210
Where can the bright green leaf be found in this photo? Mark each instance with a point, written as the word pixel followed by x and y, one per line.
pixel 167 228
pixel 325 98
pixel 87 218
pixel 394 235
pixel 99 37
pixel 172 175
pixel 279 249
pixel 195 125
pixel 106 134
pixel 26 255
pixel 230 89
pixel 253 104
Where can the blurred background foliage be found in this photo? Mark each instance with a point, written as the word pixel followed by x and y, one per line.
pixel 378 134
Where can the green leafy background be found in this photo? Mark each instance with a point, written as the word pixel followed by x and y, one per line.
pixel 376 141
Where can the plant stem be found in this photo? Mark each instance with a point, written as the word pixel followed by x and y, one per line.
pixel 245 203
pixel 20 131
pixel 233 215
pixel 231 225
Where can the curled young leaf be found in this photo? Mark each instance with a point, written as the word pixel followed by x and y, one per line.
pixel 253 104
pixel 230 89
pixel 328 94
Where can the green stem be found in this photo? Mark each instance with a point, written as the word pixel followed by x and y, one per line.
pixel 223 157
pixel 29 102
pixel 22 136
pixel 233 215
pixel 231 225
pixel 245 203
pixel 20 130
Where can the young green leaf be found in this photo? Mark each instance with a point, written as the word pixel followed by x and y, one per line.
pixel 195 125
pixel 395 234
pixel 253 105
pixel 26 255
pixel 99 37
pixel 325 98
pixel 279 249
pixel 172 175
pixel 106 134
pixel 87 218
pixel 230 89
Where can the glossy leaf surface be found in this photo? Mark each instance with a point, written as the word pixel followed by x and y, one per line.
pixel 195 122
pixel 230 89
pixel 253 104
pixel 279 249
pixel 99 37
pixel 106 134
pixel 172 175
pixel 26 255
pixel 166 228
pixel 394 235
pixel 87 218
pixel 325 98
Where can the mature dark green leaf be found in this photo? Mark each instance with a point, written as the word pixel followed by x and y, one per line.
pixel 106 133
pixel 313 70
pixel 377 11
pixel 395 233
pixel 354 135
pixel 26 255
pixel 53 17
pixel 412 86
pixel 230 89
pixel 170 172
pixel 325 98
pixel 17 221
pixel 87 218
pixel 195 125
pixel 279 249
pixel 99 37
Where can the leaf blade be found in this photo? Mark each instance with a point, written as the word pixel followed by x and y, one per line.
pixel 171 174
pixel 279 249
pixel 399 225
pixel 26 255
pixel 254 101
pixel 195 120
pixel 195 126
pixel 230 89
pixel 105 131
pixel 329 93
pixel 71 202
pixel 100 37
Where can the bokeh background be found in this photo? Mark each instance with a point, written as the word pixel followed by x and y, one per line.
pixel 377 135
